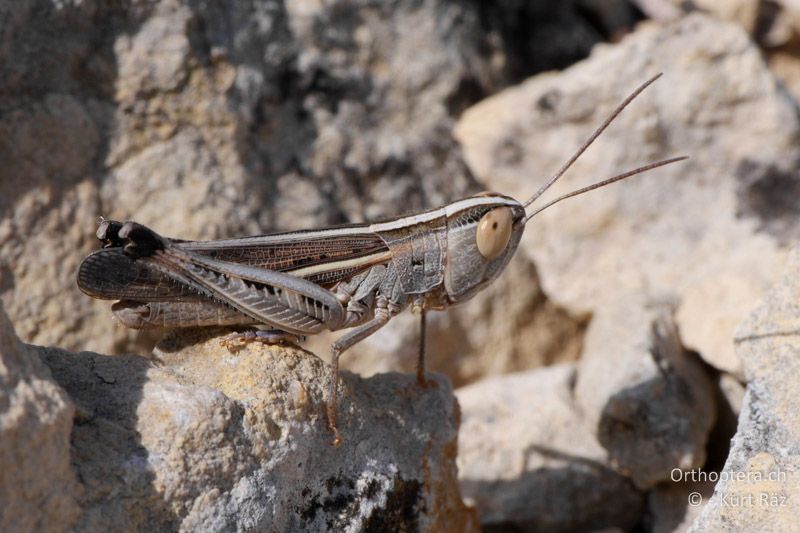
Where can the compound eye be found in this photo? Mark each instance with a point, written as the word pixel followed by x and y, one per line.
pixel 494 231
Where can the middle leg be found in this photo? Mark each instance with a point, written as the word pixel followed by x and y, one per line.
pixel 381 317
pixel 421 355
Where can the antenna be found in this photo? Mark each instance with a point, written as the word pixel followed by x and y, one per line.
pixel 589 141
pixel 607 182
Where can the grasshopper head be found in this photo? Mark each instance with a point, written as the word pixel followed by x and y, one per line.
pixel 482 234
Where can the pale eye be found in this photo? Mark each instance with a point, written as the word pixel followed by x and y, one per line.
pixel 494 231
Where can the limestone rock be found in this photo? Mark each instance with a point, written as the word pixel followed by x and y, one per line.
pixel 726 292
pixel 198 438
pixel 38 489
pixel 732 391
pixel 660 10
pixel 771 25
pixel 759 487
pixel 651 403
pixel 530 461
pixel 684 233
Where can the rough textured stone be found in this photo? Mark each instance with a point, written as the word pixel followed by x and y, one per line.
pixel 759 487
pixel 198 438
pixel 531 462
pixel 38 489
pixel 688 232
pixel 733 392
pixel 772 24
pixel 729 397
pixel 661 10
pixel 649 401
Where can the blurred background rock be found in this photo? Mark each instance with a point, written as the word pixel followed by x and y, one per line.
pixel 209 119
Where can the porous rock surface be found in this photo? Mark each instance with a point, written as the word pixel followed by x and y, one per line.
pixel 199 438
pixel 759 487
pixel 731 204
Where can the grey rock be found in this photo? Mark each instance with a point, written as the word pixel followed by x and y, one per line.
pixel 530 461
pixel 661 10
pixel 650 402
pixel 729 395
pixel 38 489
pixel 199 438
pixel 687 233
pixel 772 25
pixel 759 487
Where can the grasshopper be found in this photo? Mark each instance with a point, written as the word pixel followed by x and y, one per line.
pixel 303 282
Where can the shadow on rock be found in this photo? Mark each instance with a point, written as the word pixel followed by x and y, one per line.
pixel 107 453
pixel 562 498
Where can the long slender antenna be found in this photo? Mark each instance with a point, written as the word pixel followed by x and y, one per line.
pixel 607 182
pixel 590 140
